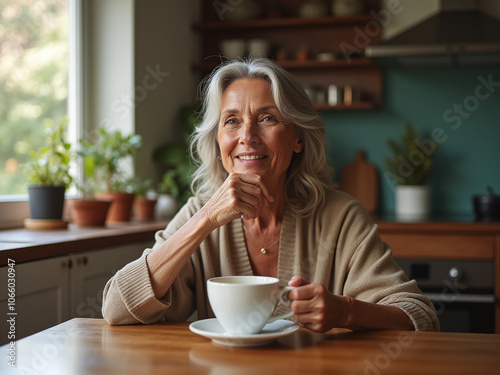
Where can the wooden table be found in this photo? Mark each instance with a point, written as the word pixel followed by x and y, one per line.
pixel 90 346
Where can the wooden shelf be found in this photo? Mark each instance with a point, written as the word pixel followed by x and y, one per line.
pixel 288 35
pixel 297 65
pixel 363 105
pixel 274 23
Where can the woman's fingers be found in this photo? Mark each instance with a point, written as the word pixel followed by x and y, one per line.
pixel 240 194
pixel 316 308
pixel 256 180
pixel 297 281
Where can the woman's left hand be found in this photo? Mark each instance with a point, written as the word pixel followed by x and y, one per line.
pixel 315 307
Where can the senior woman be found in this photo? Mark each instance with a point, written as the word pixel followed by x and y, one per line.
pixel 264 204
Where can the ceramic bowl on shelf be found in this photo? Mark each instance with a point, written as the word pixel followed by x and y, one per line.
pixel 258 48
pixel 313 8
pixel 233 48
pixel 242 10
pixel 347 7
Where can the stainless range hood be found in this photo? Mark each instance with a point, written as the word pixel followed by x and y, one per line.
pixel 452 37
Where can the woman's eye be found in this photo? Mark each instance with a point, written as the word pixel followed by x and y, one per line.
pixel 230 121
pixel 269 119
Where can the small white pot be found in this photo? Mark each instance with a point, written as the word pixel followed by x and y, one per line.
pixel 412 202
pixel 166 207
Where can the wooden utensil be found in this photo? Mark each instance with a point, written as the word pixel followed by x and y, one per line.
pixel 360 179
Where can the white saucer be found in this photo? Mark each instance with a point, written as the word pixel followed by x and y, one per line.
pixel 211 329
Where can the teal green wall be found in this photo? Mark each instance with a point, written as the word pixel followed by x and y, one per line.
pixel 469 158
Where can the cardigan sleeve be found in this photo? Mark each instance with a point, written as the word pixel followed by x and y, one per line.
pixel 128 296
pixel 370 273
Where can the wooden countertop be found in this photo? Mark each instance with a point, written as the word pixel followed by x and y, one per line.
pixel 26 245
pixel 435 225
pixel 91 346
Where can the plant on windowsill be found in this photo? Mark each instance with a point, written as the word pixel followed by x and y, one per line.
pixel 106 154
pixel 88 211
pixel 408 170
pixel 145 199
pixel 48 174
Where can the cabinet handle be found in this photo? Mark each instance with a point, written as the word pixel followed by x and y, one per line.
pixel 83 260
pixel 67 263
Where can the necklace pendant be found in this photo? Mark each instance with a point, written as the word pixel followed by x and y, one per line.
pixel 263 251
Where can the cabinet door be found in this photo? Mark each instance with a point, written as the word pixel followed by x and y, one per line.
pixel 42 294
pixel 92 270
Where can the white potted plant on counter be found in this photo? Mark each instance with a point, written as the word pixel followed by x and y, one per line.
pixel 409 169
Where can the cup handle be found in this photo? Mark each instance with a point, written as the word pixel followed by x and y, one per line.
pixel 283 299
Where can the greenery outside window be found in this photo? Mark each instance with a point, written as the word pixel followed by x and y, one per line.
pixel 35 51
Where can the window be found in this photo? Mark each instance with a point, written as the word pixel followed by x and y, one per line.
pixel 33 81
pixel 35 55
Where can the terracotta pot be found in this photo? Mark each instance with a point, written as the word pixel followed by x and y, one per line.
pixel 89 213
pixel 121 205
pixel 144 208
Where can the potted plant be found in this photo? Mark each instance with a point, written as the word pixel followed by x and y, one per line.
pixel 145 199
pixel 168 195
pixel 408 170
pixel 49 176
pixel 174 157
pixel 88 211
pixel 106 154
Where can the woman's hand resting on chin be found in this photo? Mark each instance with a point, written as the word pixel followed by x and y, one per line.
pixel 240 194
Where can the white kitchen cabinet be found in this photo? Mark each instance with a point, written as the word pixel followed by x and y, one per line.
pixel 53 290
pixel 91 271
pixel 42 295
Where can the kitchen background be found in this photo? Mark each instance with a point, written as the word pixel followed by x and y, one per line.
pixel 163 38
pixel 467 161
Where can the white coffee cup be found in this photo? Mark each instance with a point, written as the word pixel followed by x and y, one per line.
pixel 244 304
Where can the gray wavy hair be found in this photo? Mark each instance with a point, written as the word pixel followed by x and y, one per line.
pixel 308 176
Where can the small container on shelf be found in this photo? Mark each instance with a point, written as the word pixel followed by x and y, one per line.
pixel 334 95
pixel 342 8
pixel 351 95
pixel 233 48
pixel 313 8
pixel 281 55
pixel 303 53
pixel 258 48
pixel 326 56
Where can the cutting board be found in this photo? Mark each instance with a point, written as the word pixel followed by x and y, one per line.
pixel 360 179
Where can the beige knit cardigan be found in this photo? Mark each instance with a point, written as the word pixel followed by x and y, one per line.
pixel 339 247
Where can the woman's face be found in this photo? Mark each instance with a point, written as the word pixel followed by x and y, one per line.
pixel 253 136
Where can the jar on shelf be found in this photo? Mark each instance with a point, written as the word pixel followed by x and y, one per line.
pixel 347 7
pixel 313 8
pixel 244 10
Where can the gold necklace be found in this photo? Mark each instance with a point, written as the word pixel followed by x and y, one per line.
pixel 263 249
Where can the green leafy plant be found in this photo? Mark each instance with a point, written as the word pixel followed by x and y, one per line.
pixel 412 159
pixel 169 185
pixel 174 156
pixel 50 166
pixel 140 187
pixel 102 158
